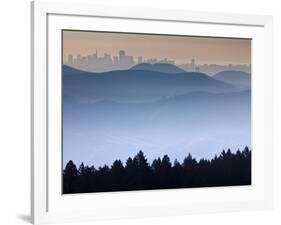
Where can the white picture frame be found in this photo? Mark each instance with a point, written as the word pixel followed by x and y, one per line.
pixel 48 205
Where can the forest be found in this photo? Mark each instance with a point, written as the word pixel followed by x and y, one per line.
pixel 226 169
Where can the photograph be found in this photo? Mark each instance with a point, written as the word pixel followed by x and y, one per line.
pixel 143 111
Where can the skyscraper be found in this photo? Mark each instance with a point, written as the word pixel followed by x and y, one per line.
pixel 193 65
pixel 70 59
pixel 140 59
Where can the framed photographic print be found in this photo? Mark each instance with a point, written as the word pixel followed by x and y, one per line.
pixel 148 112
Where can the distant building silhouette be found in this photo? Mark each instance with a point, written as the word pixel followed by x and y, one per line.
pixel 122 61
pixel 140 60
pixel 70 59
pixel 212 69
pixel 165 60
pixel 193 65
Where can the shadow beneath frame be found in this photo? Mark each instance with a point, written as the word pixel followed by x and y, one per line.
pixel 24 217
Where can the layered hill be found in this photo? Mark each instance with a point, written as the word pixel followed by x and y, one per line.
pixel 239 79
pixel 137 85
pixel 158 67
pixel 200 123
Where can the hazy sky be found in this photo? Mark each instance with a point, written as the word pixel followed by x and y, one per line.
pixel 179 48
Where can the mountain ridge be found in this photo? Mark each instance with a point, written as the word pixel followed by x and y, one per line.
pixel 239 79
pixel 158 67
pixel 138 85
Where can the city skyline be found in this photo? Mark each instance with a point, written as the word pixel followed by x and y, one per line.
pixel 181 49
pixel 97 62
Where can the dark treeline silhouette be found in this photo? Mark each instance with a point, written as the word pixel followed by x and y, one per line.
pixel 227 169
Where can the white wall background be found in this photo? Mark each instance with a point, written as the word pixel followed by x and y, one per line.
pixel 15 109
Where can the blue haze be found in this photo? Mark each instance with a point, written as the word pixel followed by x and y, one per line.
pixel 113 115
